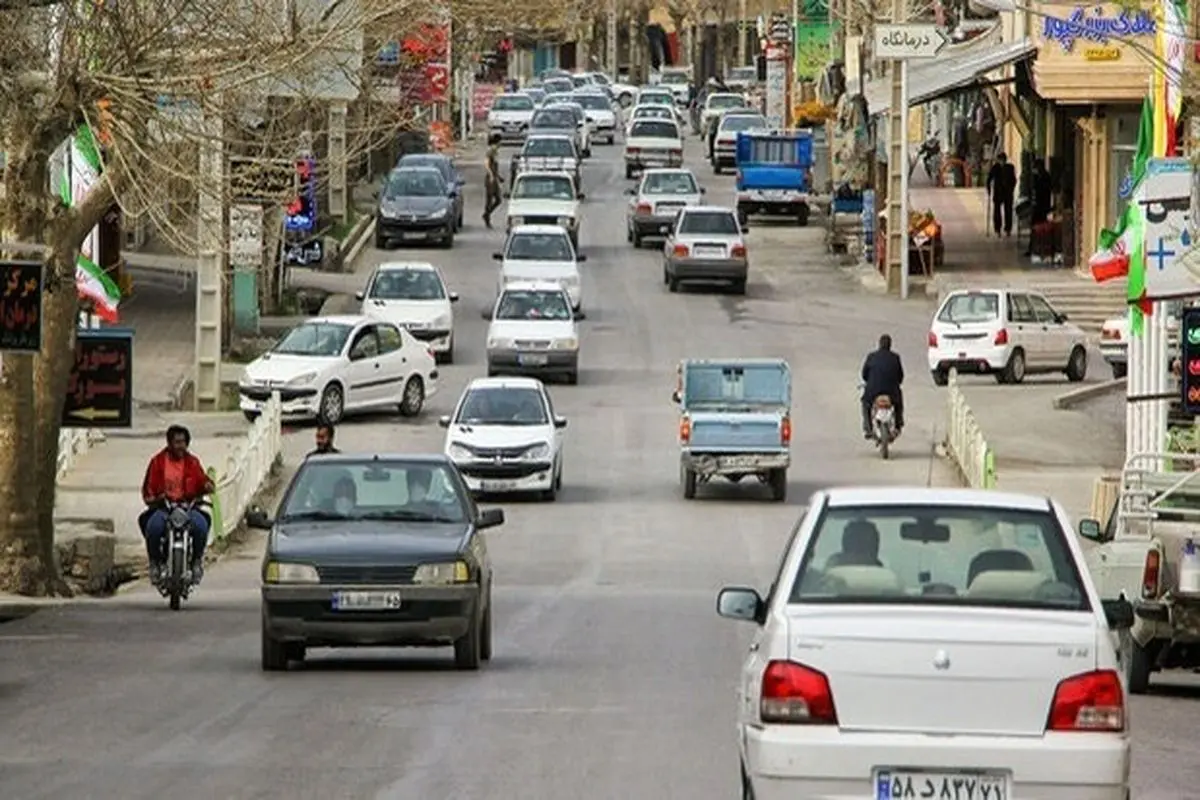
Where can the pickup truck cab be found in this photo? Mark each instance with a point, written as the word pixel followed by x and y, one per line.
pixel 774 173
pixel 734 422
pixel 547 153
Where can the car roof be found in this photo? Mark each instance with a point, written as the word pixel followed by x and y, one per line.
pixel 338 319
pixel 562 137
pixel 852 496
pixel 406 266
pixel 409 168
pixel 738 95
pixel 533 286
pixel 703 209
pixel 424 157
pixel 507 382
pixel 423 459
pixel 545 173
pixel 542 229
pixel 668 171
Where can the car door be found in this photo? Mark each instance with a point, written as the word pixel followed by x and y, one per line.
pixel 1024 330
pixel 396 355
pixel 1056 336
pixel 364 371
pixel 559 433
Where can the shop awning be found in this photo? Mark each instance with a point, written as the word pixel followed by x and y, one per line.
pixel 929 80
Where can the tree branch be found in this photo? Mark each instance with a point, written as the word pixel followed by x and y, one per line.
pixel 24 5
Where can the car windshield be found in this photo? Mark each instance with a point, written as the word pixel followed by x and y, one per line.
pixel 601 78
pixel 415 183
pixel 657 99
pixel 314 339
pixel 655 129
pixel 513 102
pixel 378 490
pixel 502 405
pixel 725 101
pixel 427 161
pixel 947 555
pixel 740 122
pixel 533 305
pixel 721 223
pixel 407 284
pixel 669 183
pixel 557 148
pixel 580 80
pixel 554 118
pixel 674 78
pixel 559 85
pixel 970 307
pixel 595 102
pixel 530 187
pixel 539 247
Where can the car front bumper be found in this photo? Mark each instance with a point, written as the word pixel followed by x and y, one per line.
pixel 418 230
pixel 825 763
pixel 294 403
pixel 1115 353
pixel 508 133
pixel 976 360
pixel 510 476
pixel 708 269
pixel 539 362
pixel 785 204
pixel 428 615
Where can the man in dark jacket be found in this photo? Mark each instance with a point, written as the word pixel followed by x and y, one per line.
pixel 324 440
pixel 882 373
pixel 1001 185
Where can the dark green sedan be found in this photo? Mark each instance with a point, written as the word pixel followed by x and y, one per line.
pixel 376 551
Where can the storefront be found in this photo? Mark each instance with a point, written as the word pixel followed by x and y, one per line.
pixel 1091 88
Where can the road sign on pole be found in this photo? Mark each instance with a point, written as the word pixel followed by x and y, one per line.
pixel 901 42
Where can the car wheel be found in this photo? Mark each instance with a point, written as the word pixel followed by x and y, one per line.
pixel 747 789
pixel 296 651
pixel 467 649
pixel 448 356
pixel 717 168
pixel 572 378
pixel 688 479
pixel 738 287
pixel 802 216
pixel 1135 661
pixel 448 239
pixel 672 284
pixel 485 634
pixel 743 219
pixel 1014 370
pixel 413 399
pixel 628 172
pixel 551 494
pixel 666 277
pixel 380 240
pixel 1119 370
pixel 250 416
pixel 777 480
pixel 637 239
pixel 333 404
pixel 1077 365
pixel 940 377
pixel 274 653
pixel 628 232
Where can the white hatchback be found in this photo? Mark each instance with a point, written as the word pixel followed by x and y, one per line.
pixel 542 253
pixel 1006 333
pixel 505 437
pixel 931 643
pixel 413 296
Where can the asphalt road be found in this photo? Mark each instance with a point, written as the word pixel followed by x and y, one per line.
pixel 612 676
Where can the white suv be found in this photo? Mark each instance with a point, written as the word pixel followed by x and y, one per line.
pixel 1006 333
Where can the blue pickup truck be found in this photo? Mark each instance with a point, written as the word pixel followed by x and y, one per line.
pixel 735 422
pixel 774 174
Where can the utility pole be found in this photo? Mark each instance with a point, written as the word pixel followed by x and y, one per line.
pixel 611 39
pixel 897 185
pixel 741 29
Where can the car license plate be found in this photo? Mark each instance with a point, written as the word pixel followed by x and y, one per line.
pixel 739 461
pixel 498 486
pixel 410 235
pixel 366 601
pixel 774 195
pixel 903 784
pixel 711 252
pixel 532 360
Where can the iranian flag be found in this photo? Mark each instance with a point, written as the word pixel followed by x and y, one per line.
pixel 92 283
pixel 1119 251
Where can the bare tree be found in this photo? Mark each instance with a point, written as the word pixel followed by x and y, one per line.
pixel 156 85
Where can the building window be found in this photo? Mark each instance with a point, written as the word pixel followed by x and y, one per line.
pixel 1122 137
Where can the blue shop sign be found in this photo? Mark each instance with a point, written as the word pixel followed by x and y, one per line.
pixel 1091 25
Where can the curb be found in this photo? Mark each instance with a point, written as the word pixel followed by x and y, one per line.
pixel 1085 393
pixel 359 236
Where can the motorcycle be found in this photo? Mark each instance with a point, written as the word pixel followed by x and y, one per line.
pixel 177 578
pixel 929 155
pixel 883 424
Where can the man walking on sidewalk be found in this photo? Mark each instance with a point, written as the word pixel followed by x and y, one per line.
pixel 1001 185
pixel 491 181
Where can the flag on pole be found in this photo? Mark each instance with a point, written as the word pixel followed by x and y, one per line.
pixel 92 283
pixel 1172 29
pixel 1113 256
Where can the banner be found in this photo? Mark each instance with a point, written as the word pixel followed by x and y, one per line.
pixel 1165 197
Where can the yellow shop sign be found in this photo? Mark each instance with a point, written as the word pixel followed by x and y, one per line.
pixel 1109 53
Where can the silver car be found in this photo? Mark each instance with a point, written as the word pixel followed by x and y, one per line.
pixel 657 200
pixel 706 244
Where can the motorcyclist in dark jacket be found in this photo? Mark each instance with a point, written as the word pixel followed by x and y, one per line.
pixel 882 373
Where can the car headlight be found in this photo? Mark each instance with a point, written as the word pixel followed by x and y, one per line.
pixel 499 344
pixel 450 572
pixel 458 452
pixel 571 281
pixel 538 452
pixel 302 380
pixel 570 343
pixel 442 321
pixel 281 572
pixel 441 212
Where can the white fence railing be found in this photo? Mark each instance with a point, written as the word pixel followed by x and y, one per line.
pixel 965 444
pixel 74 442
pixel 248 468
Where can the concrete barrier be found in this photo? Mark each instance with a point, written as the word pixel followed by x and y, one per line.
pixel 248 469
pixel 965 445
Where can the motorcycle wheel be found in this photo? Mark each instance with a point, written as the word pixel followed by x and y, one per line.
pixel 177 566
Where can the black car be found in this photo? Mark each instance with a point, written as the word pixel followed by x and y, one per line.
pixel 415 205
pixel 376 551
pixel 445 165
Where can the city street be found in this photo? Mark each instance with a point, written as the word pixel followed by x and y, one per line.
pixel 612 676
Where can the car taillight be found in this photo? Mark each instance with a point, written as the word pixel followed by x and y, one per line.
pixel 633 151
pixel 785 430
pixel 676 151
pixel 738 251
pixel 1001 337
pixel 1093 701
pixel 680 250
pixel 795 694
pixel 1110 334
pixel 1151 573
pixel 685 430
pixel 932 339
pixel 644 208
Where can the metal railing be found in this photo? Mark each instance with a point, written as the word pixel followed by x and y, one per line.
pixel 965 444
pixel 247 469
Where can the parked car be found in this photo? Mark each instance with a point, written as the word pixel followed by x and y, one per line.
pixel 1114 338
pixel 509 117
pixel 327 367
pixel 1005 333
pixel 706 245
pixel 533 332
pixel 652 143
pixel 450 174
pixel 931 642
pixel 504 437
pixel 657 201
pixel 413 296
pixel 545 198
pixel 376 550
pixel 541 253
pixel 415 205
pixel 600 114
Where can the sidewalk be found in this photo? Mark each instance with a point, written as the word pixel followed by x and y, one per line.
pixel 966 223
pixel 164 342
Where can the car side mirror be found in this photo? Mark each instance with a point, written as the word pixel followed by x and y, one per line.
pixel 257 518
pixel 489 518
pixel 741 603
pixel 359 295
pixel 487 313
pixel 676 397
pixel 454 297
pixel 703 190
pixel 1061 317
pixel 1091 530
pixel 1118 613
pixel 443 422
pixel 560 422
pixel 580 258
pixel 581 196
pixel 579 315
pixel 497 256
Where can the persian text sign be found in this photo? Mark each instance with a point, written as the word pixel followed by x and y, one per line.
pixel 20 306
pixel 100 389
pixel 1093 25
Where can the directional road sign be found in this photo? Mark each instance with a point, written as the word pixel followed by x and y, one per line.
pixel 902 42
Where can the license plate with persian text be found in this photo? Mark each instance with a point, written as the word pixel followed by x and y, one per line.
pixel 905 784
pixel 366 601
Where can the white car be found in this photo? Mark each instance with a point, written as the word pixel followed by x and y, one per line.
pixel 622 93
pixel 413 296
pixel 663 113
pixel 652 143
pixel 655 96
pixel 931 643
pixel 327 367
pixel 545 198
pixel 657 201
pixel 552 119
pixel 582 123
pixel 678 81
pixel 505 437
pixel 541 253
pixel 717 104
pixel 724 148
pixel 510 115
pixel 544 152
pixel 1114 339
pixel 1005 333
pixel 600 113
pixel 533 332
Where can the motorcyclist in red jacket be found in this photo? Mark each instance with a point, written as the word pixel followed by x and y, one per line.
pixel 177 476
